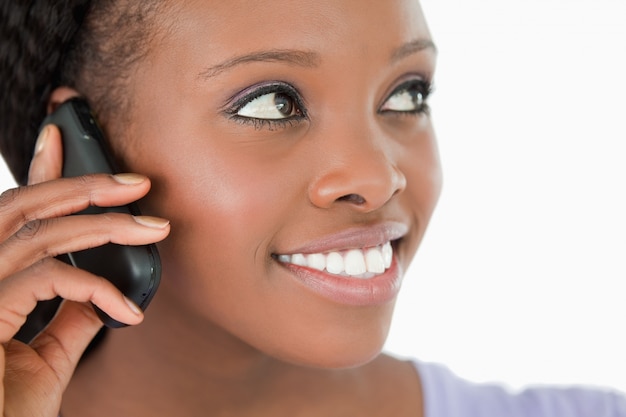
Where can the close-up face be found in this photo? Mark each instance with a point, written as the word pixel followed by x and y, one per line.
pixel 290 147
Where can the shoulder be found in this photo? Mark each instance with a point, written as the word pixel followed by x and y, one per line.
pixel 447 395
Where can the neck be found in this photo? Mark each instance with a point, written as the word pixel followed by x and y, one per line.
pixel 172 354
pixel 176 363
pixel 180 340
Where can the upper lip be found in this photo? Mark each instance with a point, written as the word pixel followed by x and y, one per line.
pixel 354 238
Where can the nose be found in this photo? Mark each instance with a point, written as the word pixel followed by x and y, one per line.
pixel 359 171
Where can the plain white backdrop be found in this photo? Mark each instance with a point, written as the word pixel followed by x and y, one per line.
pixel 521 276
pixel 520 279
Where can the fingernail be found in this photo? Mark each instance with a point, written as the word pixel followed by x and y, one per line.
pixel 41 139
pixel 129 179
pixel 133 306
pixel 153 222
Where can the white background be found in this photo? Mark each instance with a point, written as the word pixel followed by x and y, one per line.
pixel 521 276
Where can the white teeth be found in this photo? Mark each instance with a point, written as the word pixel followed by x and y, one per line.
pixel 358 263
pixel 334 263
pixel 387 254
pixel 355 262
pixel 298 259
pixel 374 261
pixel 316 261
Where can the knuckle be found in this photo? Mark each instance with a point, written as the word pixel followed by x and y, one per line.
pixel 12 214
pixel 84 180
pixel 79 185
pixel 30 230
pixel 87 180
pixel 111 219
pixel 107 218
pixel 85 185
pixel 8 198
pixel 45 265
pixel 107 222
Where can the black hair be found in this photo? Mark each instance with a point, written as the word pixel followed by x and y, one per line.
pixel 87 45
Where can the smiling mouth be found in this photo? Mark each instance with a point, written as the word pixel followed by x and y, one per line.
pixel 364 263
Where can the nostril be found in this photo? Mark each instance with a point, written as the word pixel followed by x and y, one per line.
pixel 352 198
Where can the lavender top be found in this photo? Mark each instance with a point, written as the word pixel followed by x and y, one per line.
pixel 446 395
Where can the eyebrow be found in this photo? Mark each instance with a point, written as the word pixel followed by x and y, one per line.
pixel 415 46
pixel 307 59
pixel 290 56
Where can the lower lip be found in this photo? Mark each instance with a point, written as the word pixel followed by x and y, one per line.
pixel 378 290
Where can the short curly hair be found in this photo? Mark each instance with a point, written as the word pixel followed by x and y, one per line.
pixel 88 45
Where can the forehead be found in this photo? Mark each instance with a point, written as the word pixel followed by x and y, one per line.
pixel 335 25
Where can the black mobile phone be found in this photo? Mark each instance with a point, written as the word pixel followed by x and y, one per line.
pixel 134 270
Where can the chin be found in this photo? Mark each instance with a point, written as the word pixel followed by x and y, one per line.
pixel 333 360
pixel 333 351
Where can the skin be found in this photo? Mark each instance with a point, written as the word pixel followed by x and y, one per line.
pixel 231 329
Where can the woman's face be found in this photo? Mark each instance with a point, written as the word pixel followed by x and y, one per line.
pixel 283 138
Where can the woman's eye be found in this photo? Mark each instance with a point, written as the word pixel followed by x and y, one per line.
pixel 409 97
pixel 273 105
pixel 270 106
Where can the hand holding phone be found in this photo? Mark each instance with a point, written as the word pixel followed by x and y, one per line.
pixel 134 270
pixel 34 225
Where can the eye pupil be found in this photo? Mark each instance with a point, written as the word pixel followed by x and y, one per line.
pixel 268 104
pixel 418 98
pixel 283 103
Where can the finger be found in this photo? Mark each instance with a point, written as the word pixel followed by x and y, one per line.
pixel 47 162
pixel 30 387
pixel 64 196
pixel 2 366
pixel 40 239
pixel 37 374
pixel 50 278
pixel 62 343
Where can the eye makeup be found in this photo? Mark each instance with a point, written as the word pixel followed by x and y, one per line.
pixel 283 95
pixel 274 105
pixel 409 97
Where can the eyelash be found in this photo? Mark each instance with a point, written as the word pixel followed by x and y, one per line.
pixel 423 87
pixel 271 124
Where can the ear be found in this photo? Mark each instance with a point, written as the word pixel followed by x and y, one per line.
pixel 60 95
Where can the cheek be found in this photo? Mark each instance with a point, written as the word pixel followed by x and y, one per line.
pixel 422 167
pixel 426 179
pixel 226 211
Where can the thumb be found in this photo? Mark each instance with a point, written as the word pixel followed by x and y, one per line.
pixel 63 342
pixel 47 162
pixel 34 381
